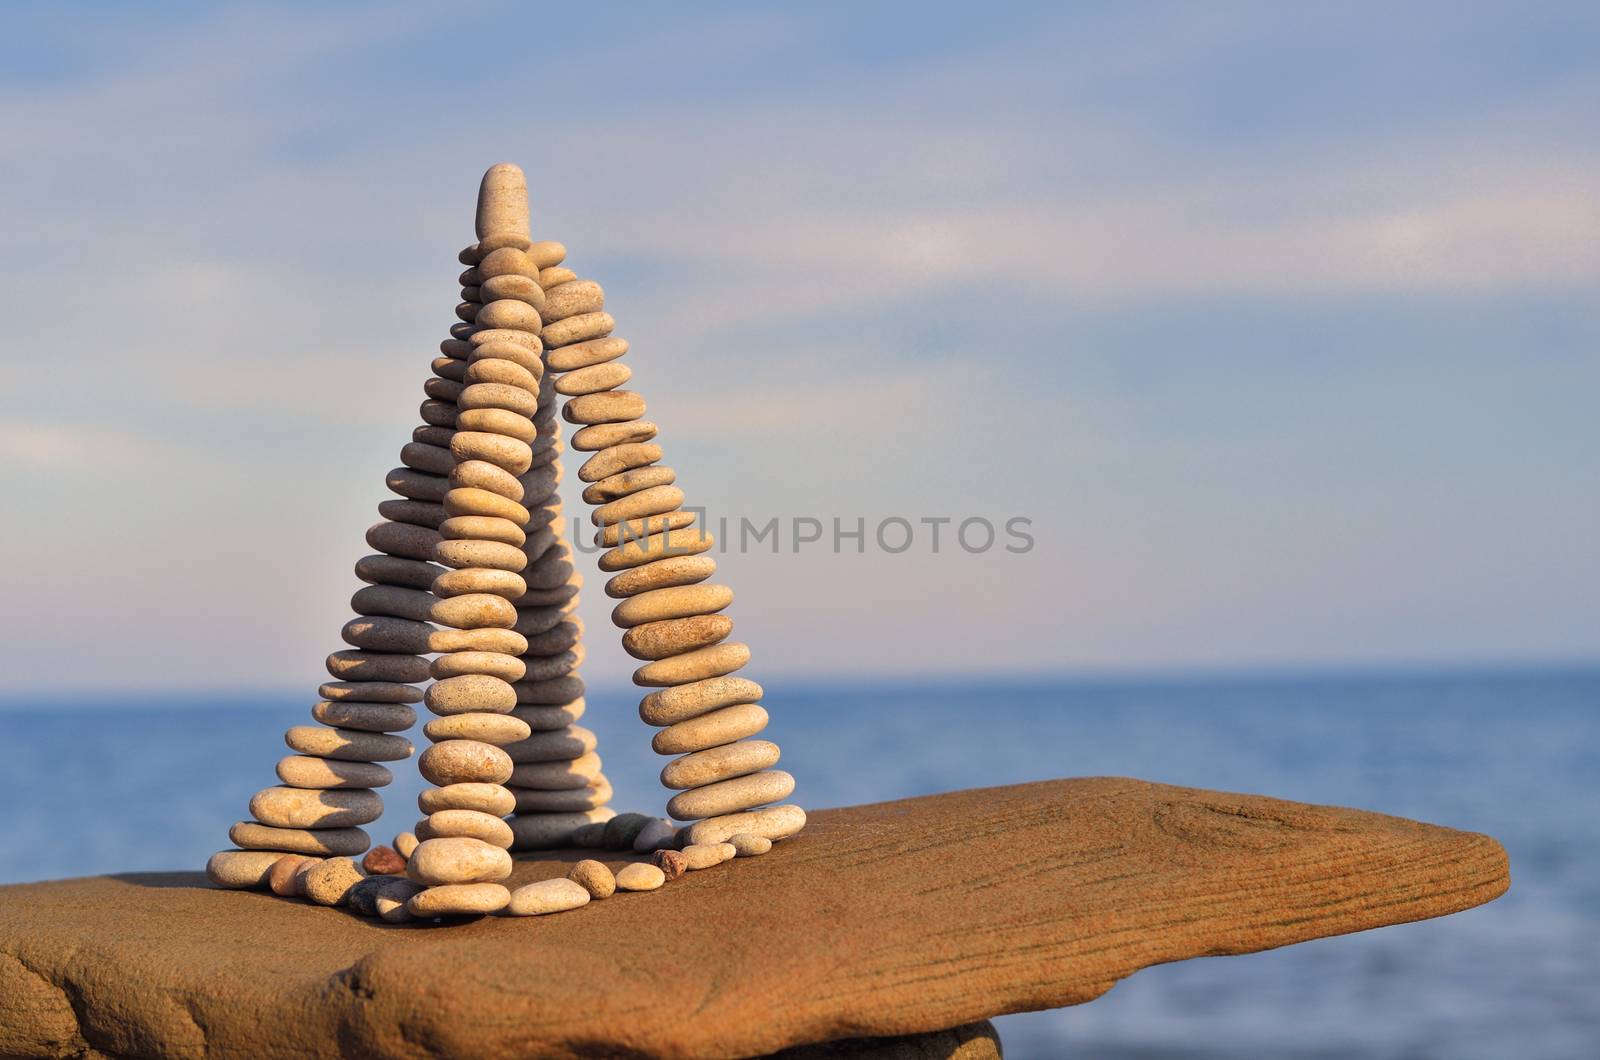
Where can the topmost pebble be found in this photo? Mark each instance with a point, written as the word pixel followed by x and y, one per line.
pixel 503 208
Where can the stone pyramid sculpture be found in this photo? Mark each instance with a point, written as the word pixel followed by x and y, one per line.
pixel 473 567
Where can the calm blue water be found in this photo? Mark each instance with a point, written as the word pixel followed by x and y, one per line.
pixel 1515 755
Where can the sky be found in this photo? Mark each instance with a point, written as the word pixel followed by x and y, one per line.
pixel 1276 323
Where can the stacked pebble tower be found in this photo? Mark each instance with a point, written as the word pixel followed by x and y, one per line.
pixel 671 619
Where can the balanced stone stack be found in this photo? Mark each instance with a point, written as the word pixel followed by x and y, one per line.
pixel 672 618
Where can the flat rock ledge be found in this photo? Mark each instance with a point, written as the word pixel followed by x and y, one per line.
pixel 899 918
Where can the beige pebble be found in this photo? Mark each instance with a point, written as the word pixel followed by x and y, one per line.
pixel 384 861
pixel 488 368
pixel 393 601
pixel 705 855
pixel 403 539
pixel 485 798
pixel 249 835
pixel 419 486
pixel 547 896
pixel 498 423
pixel 354 665
pixel 667 573
pixel 371 691
pixel 772 822
pixel 462 899
pixel 612 406
pixel 329 883
pixel 506 261
pixel 471 500
pixel 627 483
pixel 545 831
pixel 554 276
pixel 497 729
pixel 508 584
pixel 712 730
pixel 240 869
pixel 565 801
pixel 287 878
pixel 576 356
pixel 551 693
pixel 398 635
pixel 698 665
pixel 525 358
pixel 348 744
pixel 594 379
pixel 657 500
pixel 505 641
pixel 471 694
pixel 672 705
pixel 457 859
pixel 474 611
pixel 656 834
pixel 368 717
pixel 594 877
pixel 509 313
pixel 746 845
pixel 496 336
pixel 284 807
pixel 618 458
pixel 482 528
pixel 674 636
pixel 671 863
pixel 507 668
pixel 468 762
pixel 547 253
pixel 405 844
pixel 681 601
pixel 624 828
pixel 543 719
pixel 493 554
pixel 429 458
pixel 606 435
pixel 572 298
pixel 637 552
pixel 469 824
pixel 590 836
pixel 512 285
pixel 417 513
pixel 640 877
pixel 301 771
pixel 508 454
pixel 499 396
pixel 578 772
pixel 613 534
pixel 562 745
pixel 502 202
pixel 482 475
pixel 584 327
pixel 731 796
pixel 394 570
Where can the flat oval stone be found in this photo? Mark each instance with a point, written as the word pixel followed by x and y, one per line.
pixel 563 800
pixel 551 693
pixel 398 635
pixel 707 855
pixel 403 539
pixel 618 458
pixel 547 896
pixel 472 500
pixel 504 583
pixel 446 368
pixel 657 500
pixel 506 667
pixel 543 668
pixel 330 882
pixel 371 691
pixel 665 573
pixel 554 276
pixel 640 877
pixel 731 796
pixel 532 621
pixel 474 611
pixel 346 842
pixel 510 313
pixel 493 554
pixel 288 877
pixel 513 285
pixel 673 544
pixel 355 665
pixel 302 771
pixel 438 413
pixel 626 483
pixel 606 435
pixel 594 379
pixel 613 534
pixel 467 762
pixel 241 869
pixel 546 831
pixel 562 745
pixel 674 636
pixel 746 845
pixel 657 834
pixel 441 389
pixel 394 570
pixel 556 639
pixel 429 458
pixel 468 824
pixel 773 822
pixel 572 298
pixel 428 434
pixel 581 328
pixel 720 762
pixel 576 356
pixel 462 899
pixel 485 798
pixel 499 396
pixel 417 513
pixel 557 776
pixel 502 640
pixel 490 369
pixel 613 406
pixel 507 453
pixel 391 600
pixel 483 475
pixel 404 844
pixel 392 899
pixel 497 422
pixel 712 730
pixel 551 597
pixel 546 253
pixel 457 859
pixel 346 744
pixel 516 352
pixel 368 717
pixel 417 485
pixel 497 729
pixel 544 719
pixel 682 601
pixel 471 693
pixel 594 877
pixel 698 665
pixel 672 705
pixel 482 528
pixel 506 261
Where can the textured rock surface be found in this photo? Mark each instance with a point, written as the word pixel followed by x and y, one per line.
pixel 895 918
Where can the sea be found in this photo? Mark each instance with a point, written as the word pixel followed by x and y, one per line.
pixel 100 784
